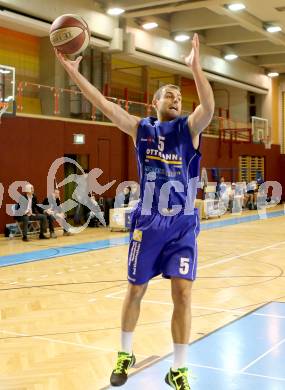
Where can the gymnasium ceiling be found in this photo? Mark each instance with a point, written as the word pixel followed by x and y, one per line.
pixel 242 32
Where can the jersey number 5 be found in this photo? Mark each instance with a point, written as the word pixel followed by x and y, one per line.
pixel 184 265
pixel 161 143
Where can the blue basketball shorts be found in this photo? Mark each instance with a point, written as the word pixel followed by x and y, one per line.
pixel 164 245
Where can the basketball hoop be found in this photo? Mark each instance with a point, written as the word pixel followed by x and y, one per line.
pixel 3 109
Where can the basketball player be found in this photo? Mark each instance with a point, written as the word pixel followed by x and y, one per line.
pixel 165 224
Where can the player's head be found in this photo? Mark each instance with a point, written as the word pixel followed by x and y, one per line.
pixel 168 102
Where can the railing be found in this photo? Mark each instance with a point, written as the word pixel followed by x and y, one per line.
pixel 48 100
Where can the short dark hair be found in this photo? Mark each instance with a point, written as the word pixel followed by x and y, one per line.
pixel 158 92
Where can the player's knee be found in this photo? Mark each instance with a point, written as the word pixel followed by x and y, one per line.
pixel 181 297
pixel 136 292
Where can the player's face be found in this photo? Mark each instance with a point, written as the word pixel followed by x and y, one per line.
pixel 169 104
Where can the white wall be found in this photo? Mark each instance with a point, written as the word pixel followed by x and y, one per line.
pixel 236 98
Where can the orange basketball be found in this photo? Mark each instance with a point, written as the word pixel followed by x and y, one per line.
pixel 70 34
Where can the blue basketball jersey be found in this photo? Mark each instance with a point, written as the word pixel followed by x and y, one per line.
pixel 168 165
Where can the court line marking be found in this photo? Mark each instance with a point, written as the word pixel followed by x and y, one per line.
pixel 263 355
pixel 269 315
pixel 59 341
pixel 214 309
pixel 216 262
pixel 86 346
pixel 85 247
pixel 239 372
pixel 241 255
pixel 114 295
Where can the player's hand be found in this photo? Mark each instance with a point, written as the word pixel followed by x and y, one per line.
pixel 193 60
pixel 69 65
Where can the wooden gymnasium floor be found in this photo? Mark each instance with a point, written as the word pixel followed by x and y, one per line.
pixel 60 317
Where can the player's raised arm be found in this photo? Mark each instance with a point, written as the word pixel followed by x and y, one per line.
pixel 203 114
pixel 126 122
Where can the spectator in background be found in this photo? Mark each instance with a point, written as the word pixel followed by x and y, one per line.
pixel 222 194
pixel 251 195
pixel 127 194
pixel 53 212
pixel 221 187
pixel 259 180
pixel 236 195
pixel 134 195
pixel 123 198
pixel 27 210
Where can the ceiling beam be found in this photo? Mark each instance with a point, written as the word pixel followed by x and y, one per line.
pixel 228 35
pixel 257 48
pixel 131 5
pixel 275 59
pixel 199 19
pixel 167 9
pixel 252 23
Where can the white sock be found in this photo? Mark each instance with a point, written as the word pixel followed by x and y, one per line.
pixel 180 356
pixel 127 342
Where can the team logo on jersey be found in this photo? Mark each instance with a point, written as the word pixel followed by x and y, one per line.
pixel 149 140
pixel 137 235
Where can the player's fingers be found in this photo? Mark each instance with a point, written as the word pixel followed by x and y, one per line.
pixel 56 52
pixel 197 40
pixel 59 55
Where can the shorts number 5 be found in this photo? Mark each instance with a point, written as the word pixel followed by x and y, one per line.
pixel 184 265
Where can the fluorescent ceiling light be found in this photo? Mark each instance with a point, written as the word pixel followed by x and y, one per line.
pixel 181 37
pixel 273 74
pixel 150 25
pixel 115 11
pixel 236 6
pixel 273 29
pixel 230 57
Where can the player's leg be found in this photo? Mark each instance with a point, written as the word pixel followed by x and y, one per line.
pixel 61 219
pixel 130 315
pixel 25 221
pixel 181 318
pixel 43 223
pixel 245 200
pixel 181 290
pixel 179 262
pixel 131 306
pixel 255 199
pixel 143 265
pixel 51 221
